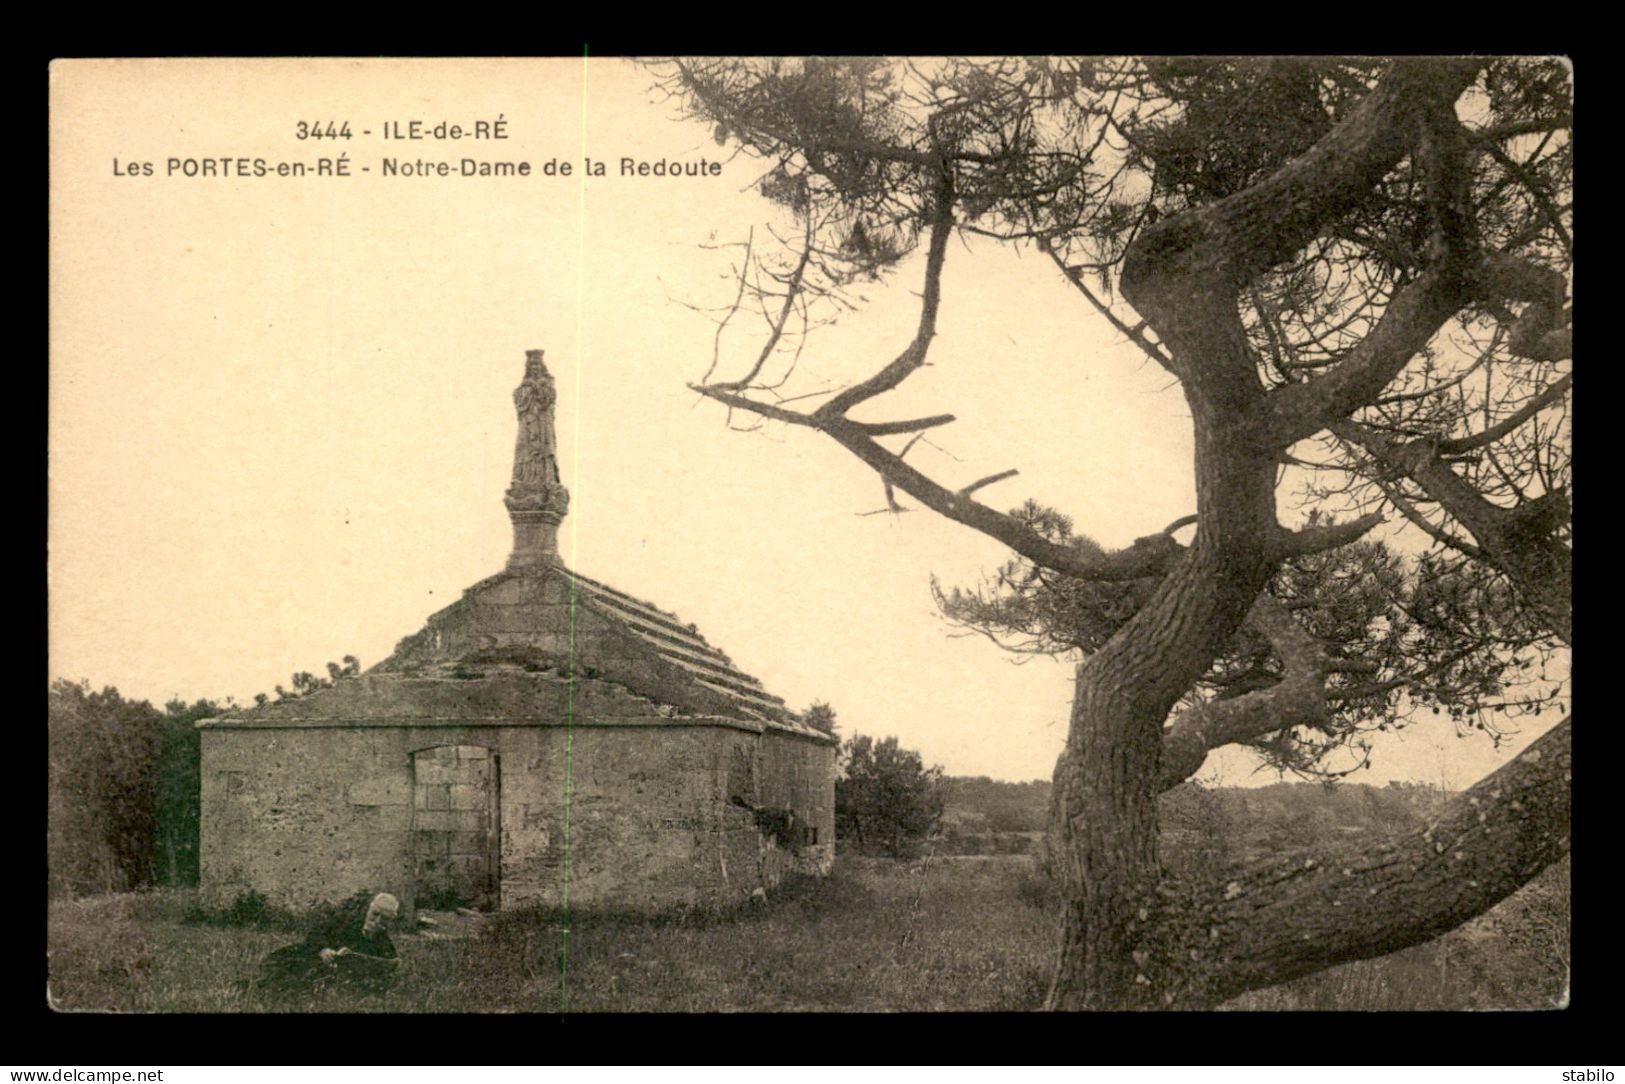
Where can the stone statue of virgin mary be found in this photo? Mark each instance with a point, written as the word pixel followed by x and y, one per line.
pixel 536 486
pixel 535 462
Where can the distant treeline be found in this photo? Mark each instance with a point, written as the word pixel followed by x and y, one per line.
pixel 123 798
pixel 988 816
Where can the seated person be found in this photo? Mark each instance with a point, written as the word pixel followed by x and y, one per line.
pixel 351 951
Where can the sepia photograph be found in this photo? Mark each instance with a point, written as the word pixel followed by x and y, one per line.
pixel 809 535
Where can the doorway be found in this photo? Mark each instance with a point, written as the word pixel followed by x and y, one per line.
pixel 456 828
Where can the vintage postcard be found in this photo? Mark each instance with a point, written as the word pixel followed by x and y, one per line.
pixel 594 535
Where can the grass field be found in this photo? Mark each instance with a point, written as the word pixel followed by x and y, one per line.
pixel 942 934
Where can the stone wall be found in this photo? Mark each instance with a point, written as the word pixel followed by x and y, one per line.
pixel 304 815
pixel 636 811
pixel 798 776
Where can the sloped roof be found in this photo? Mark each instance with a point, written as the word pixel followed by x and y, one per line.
pixel 684 646
pixel 549 622
pixel 679 643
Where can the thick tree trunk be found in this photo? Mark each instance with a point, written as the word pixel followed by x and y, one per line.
pixel 1108 779
pixel 1129 939
pixel 1106 822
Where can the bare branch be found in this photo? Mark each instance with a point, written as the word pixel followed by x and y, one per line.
pixel 1417 519
pixel 1496 432
pixel 891 498
pixel 1136 335
pixel 742 402
pixel 912 357
pixel 722 325
pixel 1126 564
pixel 1435 389
pixel 1534 125
pixel 989 480
pixel 776 325
pixel 913 425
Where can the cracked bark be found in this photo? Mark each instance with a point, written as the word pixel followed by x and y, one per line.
pixel 1306 910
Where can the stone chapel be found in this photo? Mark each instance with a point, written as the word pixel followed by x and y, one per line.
pixel 544 739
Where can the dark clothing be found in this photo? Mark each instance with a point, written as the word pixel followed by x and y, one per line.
pixel 360 962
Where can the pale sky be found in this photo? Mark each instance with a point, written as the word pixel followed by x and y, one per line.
pixel 281 415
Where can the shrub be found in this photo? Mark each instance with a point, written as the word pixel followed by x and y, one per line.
pixel 886 797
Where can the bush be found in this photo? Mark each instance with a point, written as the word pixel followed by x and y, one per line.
pixel 886 798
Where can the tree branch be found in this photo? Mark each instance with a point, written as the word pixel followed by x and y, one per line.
pixel 1501 429
pixel 1126 564
pixel 1294 914
pixel 1500 132
pixel 1243 235
pixel 1413 317
pixel 1298 699
pixel 1418 520
pixel 989 480
pixel 913 425
pixel 1318 539
pixel 1300 410
pixel 912 357
pixel 1416 313
pixel 1360 692
pixel 1519 542
pixel 1542 332
pixel 1136 335
pixel 722 324
pixel 791 291
pixel 1537 192
pixel 743 402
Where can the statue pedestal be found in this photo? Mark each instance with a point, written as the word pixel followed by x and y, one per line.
pixel 535 540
